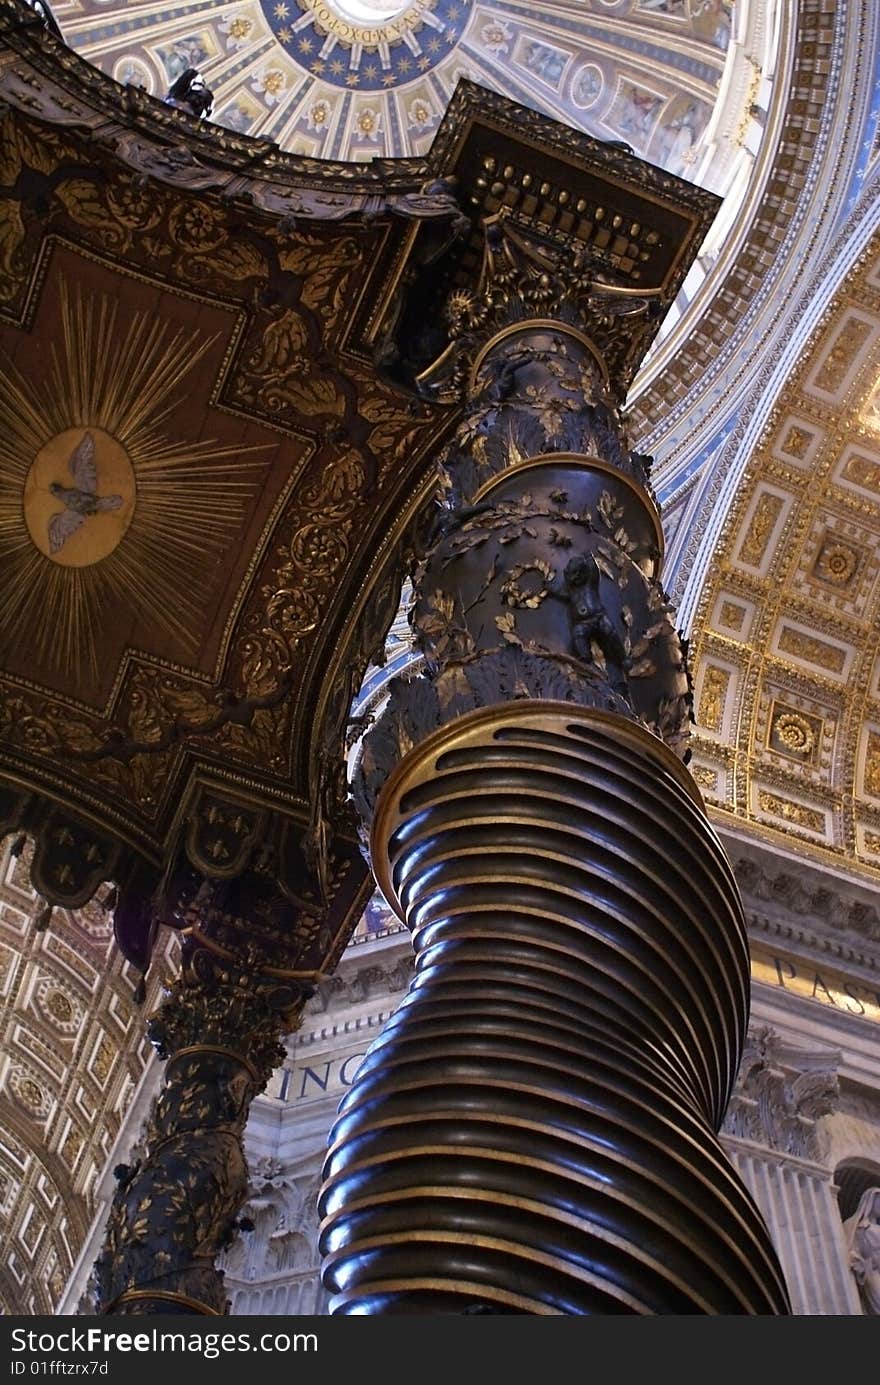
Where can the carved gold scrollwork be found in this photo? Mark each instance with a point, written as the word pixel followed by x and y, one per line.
pixel 304 393
pixel 339 486
pixel 319 549
pixel 281 347
pixel 197 226
pixel 85 202
pixel 295 613
pixel 132 205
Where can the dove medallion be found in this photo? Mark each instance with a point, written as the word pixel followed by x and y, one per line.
pixel 81 499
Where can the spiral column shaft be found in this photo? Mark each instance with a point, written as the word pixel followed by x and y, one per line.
pixel 534 1130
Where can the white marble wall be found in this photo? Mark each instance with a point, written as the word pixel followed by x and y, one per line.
pixel 799 1203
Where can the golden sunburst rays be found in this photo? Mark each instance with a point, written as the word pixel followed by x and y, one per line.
pixel 99 509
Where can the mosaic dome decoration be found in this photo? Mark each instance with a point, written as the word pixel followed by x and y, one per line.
pixel 360 79
pixel 368 47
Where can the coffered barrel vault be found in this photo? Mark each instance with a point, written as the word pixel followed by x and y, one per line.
pixel 788 673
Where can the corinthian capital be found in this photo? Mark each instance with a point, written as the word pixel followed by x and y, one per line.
pixel 523 281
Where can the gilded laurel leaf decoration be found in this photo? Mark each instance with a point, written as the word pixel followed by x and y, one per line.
pixel 623 540
pixel 609 511
pixel 517 593
pixel 507 626
pixel 439 608
pixel 603 565
pixel 434 623
pixel 641 668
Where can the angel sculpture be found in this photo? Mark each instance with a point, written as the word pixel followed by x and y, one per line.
pixel 190 93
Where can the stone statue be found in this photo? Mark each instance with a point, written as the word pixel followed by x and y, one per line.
pixel 863 1236
pixel 190 93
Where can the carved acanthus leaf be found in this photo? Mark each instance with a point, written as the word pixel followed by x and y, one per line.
pixel 781 1096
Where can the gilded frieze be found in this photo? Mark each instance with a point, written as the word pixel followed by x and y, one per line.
pixel 790 811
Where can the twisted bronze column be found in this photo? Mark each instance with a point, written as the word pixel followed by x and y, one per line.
pixel 534 1132
pixel 219 1030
